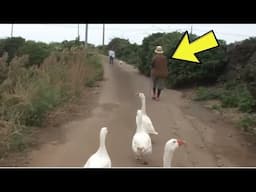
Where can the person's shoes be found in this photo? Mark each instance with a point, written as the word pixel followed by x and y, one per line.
pixel 157 99
pixel 153 97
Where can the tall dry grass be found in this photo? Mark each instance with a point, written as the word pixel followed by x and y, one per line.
pixel 28 94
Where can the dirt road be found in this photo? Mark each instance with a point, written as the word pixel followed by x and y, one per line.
pixel 211 142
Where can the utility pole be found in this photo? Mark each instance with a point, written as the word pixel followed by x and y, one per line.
pixel 103 38
pixel 12 31
pixel 86 35
pixel 191 29
pixel 78 36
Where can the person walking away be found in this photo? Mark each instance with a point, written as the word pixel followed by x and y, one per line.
pixel 111 54
pixel 159 72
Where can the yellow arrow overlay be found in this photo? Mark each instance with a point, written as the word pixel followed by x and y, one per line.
pixel 186 51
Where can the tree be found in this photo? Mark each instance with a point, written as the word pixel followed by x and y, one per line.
pixel 37 52
pixel 11 46
pixel 125 50
pixel 183 73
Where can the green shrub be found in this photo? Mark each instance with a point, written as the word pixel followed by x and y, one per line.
pixel 206 94
pixel 216 107
pixel 98 71
pixel 248 124
pixel 37 52
pixel 46 97
pixel 125 50
pixel 238 96
pixel 18 140
pixel 229 99
pixel 11 46
pixel 231 95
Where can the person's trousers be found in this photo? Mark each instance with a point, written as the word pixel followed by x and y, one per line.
pixel 111 60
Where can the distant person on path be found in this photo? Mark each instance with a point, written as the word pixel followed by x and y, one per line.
pixel 111 55
pixel 159 72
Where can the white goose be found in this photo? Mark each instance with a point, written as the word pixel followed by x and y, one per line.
pixel 145 118
pixel 100 159
pixel 169 149
pixel 141 142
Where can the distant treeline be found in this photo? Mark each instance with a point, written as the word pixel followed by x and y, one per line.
pixel 37 51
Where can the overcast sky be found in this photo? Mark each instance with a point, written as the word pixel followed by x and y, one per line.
pixel 134 32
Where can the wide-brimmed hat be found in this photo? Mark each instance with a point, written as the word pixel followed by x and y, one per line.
pixel 159 49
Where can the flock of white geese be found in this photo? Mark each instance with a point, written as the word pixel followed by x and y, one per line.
pixel 141 142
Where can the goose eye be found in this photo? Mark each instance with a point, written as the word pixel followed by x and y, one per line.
pixel 174 142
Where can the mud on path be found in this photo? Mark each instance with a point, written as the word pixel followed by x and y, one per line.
pixel 211 142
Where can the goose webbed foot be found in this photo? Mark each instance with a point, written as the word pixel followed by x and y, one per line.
pixel 145 162
pixel 137 158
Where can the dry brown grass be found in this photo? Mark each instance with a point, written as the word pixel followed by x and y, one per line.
pixel 27 95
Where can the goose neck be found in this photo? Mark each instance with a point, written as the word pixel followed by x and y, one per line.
pixel 143 105
pixel 102 147
pixel 168 155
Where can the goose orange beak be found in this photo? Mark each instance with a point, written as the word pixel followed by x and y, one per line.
pixel 181 142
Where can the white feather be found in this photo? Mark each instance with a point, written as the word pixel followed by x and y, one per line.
pixel 145 118
pixel 141 142
pixel 101 158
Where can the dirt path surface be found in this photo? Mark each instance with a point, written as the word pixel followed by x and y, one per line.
pixel 211 142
